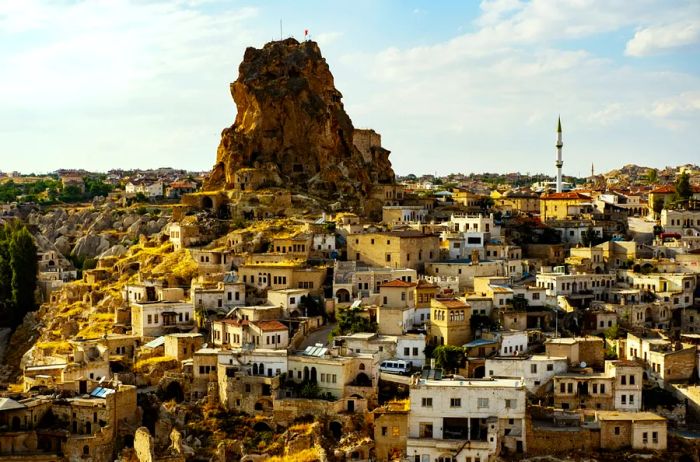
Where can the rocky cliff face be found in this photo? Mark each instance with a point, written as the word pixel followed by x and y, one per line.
pixel 291 130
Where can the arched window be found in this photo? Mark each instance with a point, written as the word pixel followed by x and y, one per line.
pixel 255 369
pixel 362 366
pixel 261 369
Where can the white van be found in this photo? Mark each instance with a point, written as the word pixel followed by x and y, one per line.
pixel 395 366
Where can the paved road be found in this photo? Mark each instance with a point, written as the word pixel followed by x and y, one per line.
pixel 319 336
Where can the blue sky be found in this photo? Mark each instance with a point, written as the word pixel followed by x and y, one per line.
pixel 459 86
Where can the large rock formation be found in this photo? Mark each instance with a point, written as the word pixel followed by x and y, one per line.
pixel 292 131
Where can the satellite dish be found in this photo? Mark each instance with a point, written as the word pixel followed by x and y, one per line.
pixel 583 364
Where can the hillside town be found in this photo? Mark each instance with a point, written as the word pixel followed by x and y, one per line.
pixel 312 305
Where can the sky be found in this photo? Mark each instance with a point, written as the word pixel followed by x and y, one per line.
pixel 452 86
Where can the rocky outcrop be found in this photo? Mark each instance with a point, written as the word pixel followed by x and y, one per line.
pixel 291 130
pixel 89 246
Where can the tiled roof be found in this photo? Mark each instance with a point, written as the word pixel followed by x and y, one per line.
pixel 398 283
pixel 268 326
pixel 571 195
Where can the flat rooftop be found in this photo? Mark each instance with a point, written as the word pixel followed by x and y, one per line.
pixel 485 383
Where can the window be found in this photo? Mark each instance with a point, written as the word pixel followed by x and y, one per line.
pixel 617 430
pixel 595 388
pixel 415 349
pixel 483 403
pixel 425 429
pixel 510 403
pixel 645 438
pixel 631 379
pixel 655 437
pixel 455 402
pixel 602 388
pixel 533 368
pixel 562 387
pixel 631 400
pixel 570 387
pixel 623 380
pixel 384 429
pixel 550 367
pixel 406 351
pixel 624 399
pixel 150 319
pixel 426 402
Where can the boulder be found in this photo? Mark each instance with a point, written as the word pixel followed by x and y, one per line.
pixel 90 246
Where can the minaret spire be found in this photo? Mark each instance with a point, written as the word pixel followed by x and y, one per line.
pixel 559 163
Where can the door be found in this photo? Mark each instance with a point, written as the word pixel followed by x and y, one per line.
pixel 351 405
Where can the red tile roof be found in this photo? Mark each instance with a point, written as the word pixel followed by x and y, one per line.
pixel 268 326
pixel 670 189
pixel 566 195
pixel 398 283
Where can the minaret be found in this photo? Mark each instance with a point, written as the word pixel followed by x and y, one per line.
pixel 559 162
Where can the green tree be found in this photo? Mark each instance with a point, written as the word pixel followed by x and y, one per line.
pixel 351 321
pixel 71 193
pixel 683 188
pixel 658 205
pixel 24 269
pixel 652 176
pixel 5 272
pixel 590 237
pixel 448 357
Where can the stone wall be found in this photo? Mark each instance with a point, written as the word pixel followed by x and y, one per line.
pixel 544 438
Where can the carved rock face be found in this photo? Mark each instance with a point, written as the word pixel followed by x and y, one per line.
pixel 291 129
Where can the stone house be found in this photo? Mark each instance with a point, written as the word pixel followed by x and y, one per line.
pixel 182 346
pixel 184 235
pixel 477 418
pixel 282 276
pixel 466 270
pixel 589 350
pixel 296 247
pixel 402 215
pixel 396 249
pixel 224 296
pixel 665 361
pixel 242 391
pixel 237 333
pixel 153 319
pixel 204 370
pixel 535 371
pixel 512 342
pixel 288 300
pixel 560 206
pixel 352 281
pixel 449 322
pixel 675 288
pixel 636 430
pixel 391 431
pixel 340 376
pixel 323 245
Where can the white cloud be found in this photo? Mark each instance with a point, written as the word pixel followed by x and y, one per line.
pixel 492 95
pixel 327 38
pixel 683 105
pixel 659 38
